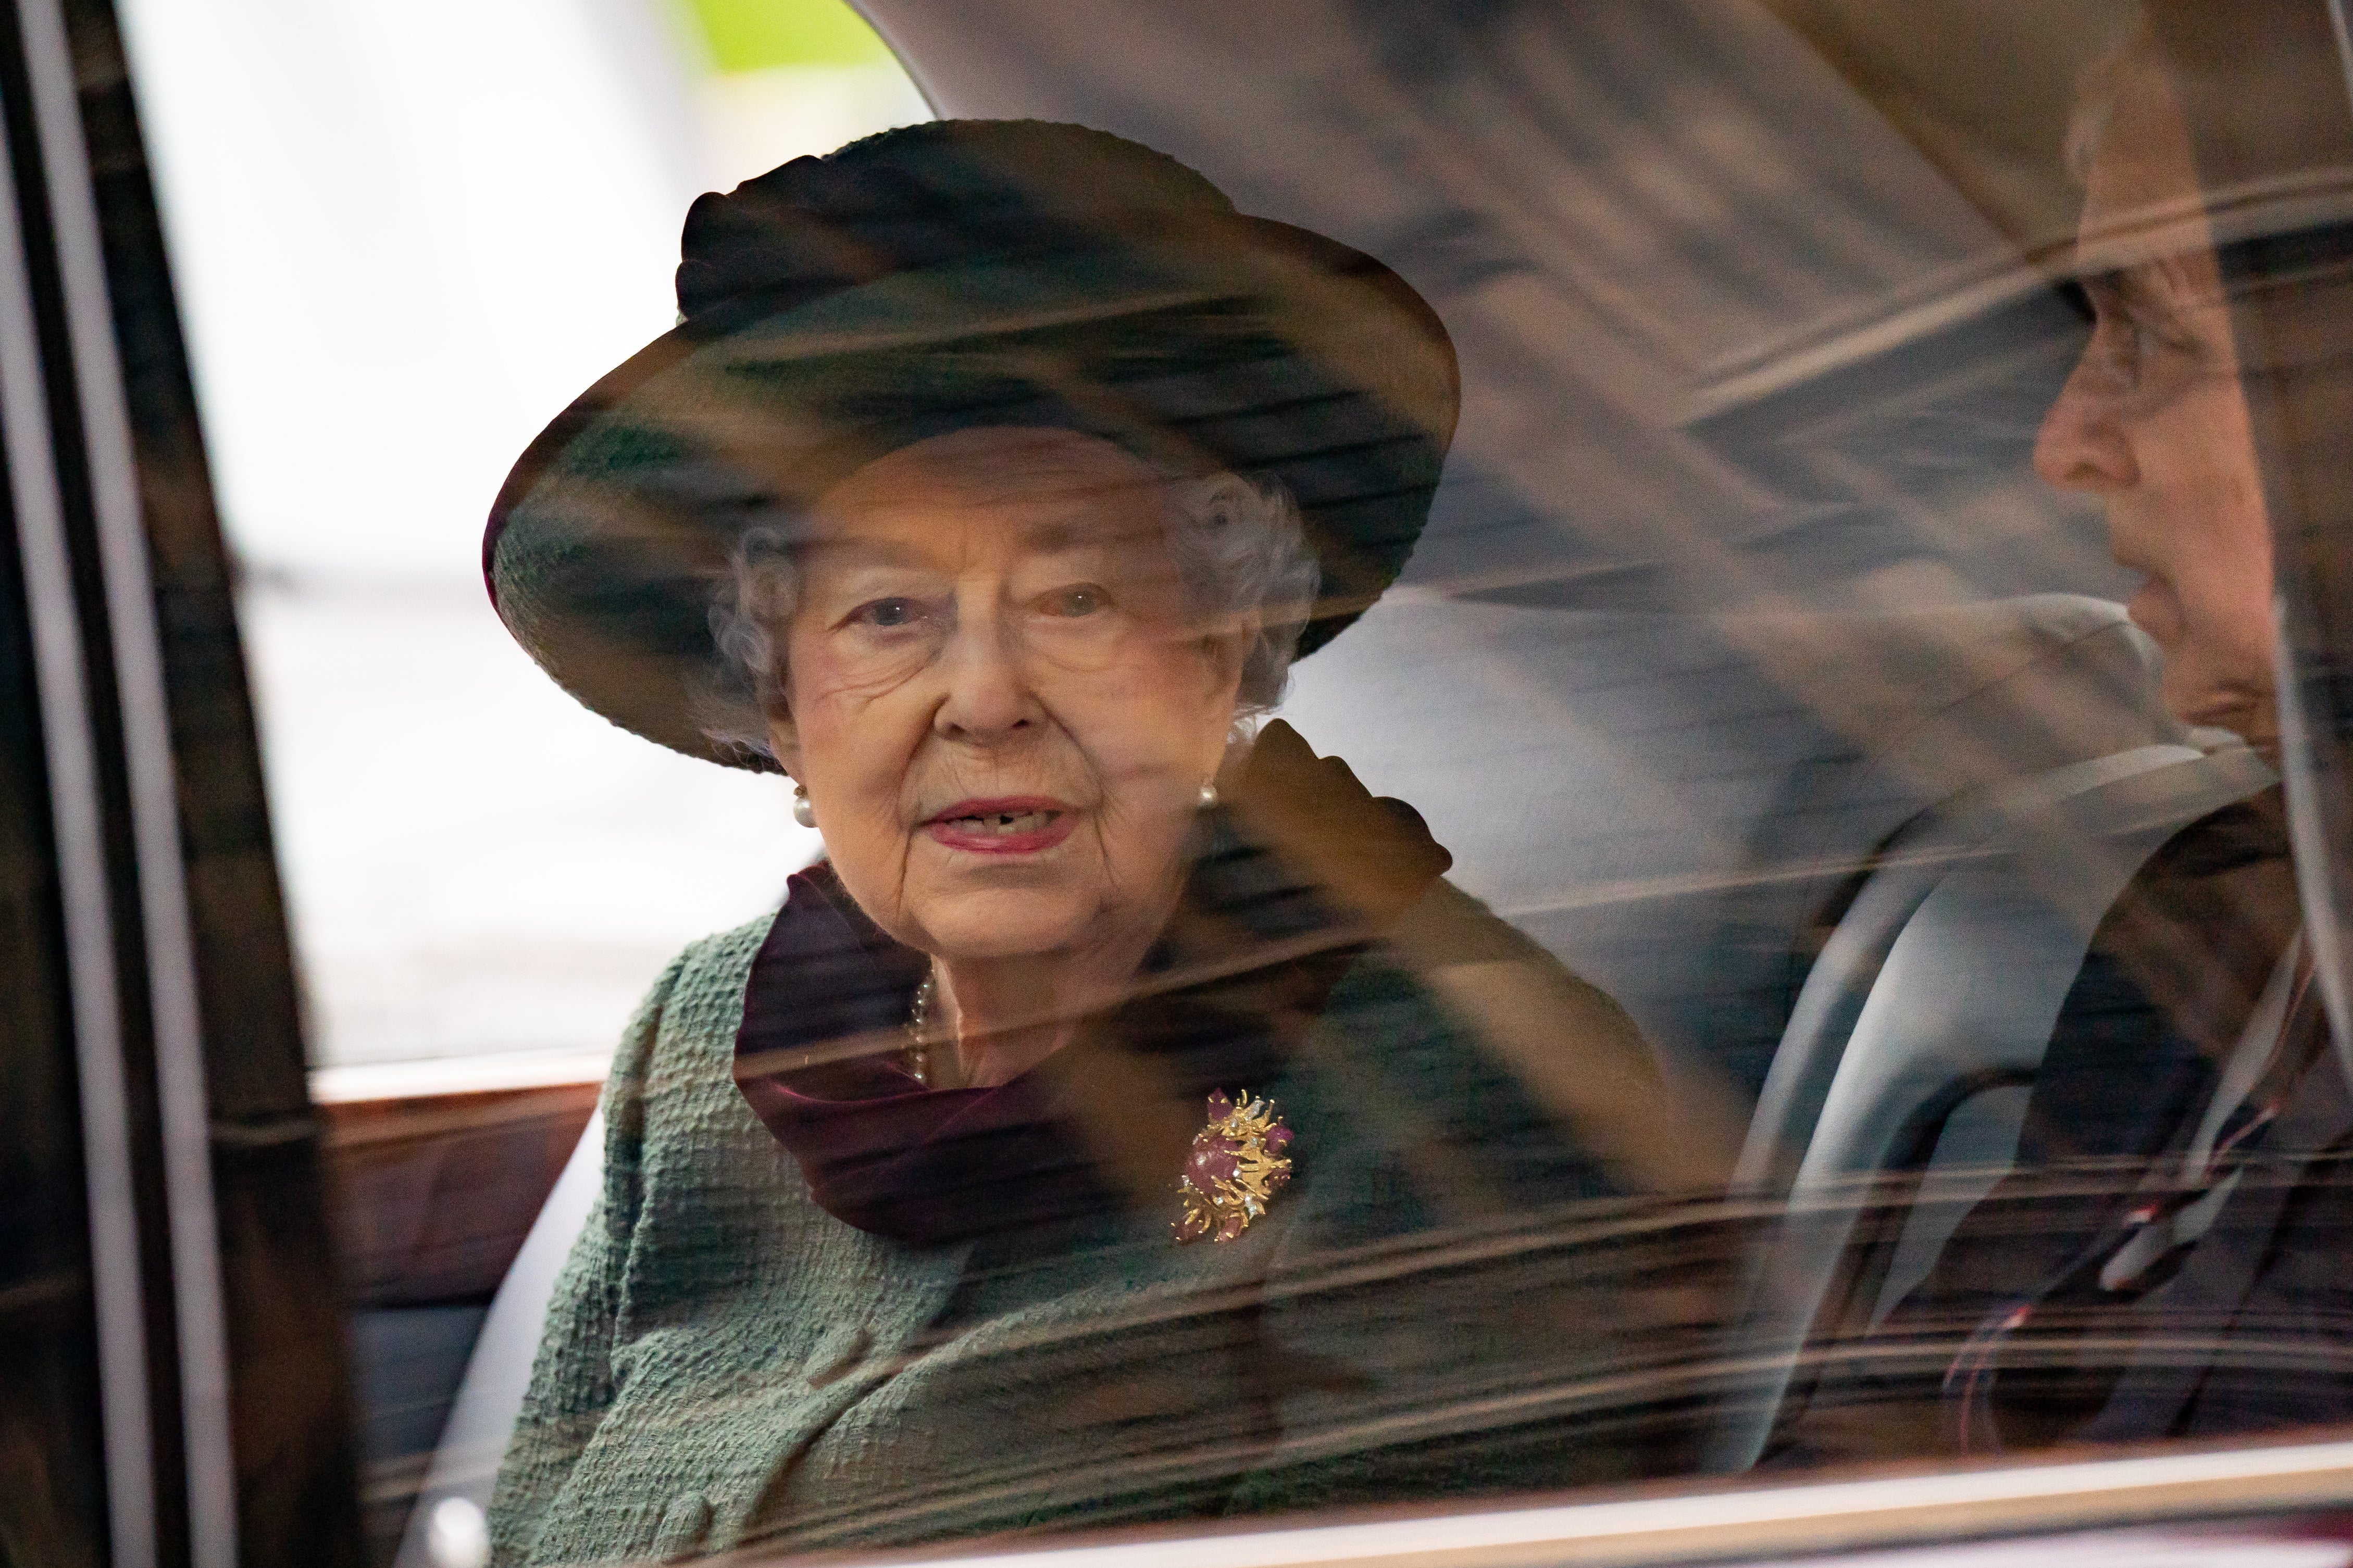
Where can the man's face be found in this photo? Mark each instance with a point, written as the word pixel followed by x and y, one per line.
pixel 2154 421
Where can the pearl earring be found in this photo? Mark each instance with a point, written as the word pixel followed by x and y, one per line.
pixel 1209 794
pixel 803 812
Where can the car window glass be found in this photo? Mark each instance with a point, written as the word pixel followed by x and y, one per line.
pixel 437 914
pixel 465 972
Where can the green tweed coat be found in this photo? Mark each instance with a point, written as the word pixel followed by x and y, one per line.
pixel 1442 1302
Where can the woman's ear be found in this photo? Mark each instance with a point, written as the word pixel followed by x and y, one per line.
pixel 785 741
pixel 1227 652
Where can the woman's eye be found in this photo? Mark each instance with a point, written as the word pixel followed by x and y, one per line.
pixel 1083 600
pixel 886 613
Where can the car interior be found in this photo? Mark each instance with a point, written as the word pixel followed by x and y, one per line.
pixel 1829 743
pixel 1835 677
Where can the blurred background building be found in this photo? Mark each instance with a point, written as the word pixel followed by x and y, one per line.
pixel 404 237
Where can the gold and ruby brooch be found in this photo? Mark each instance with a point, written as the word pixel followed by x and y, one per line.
pixel 1236 1165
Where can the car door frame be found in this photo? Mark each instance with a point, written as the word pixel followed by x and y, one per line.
pixel 225 1416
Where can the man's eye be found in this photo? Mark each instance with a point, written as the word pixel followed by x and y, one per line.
pixel 886 613
pixel 2131 347
pixel 1084 600
pixel 2125 343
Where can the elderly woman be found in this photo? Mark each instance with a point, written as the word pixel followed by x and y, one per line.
pixel 1074 1145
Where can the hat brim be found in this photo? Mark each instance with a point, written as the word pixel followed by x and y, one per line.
pixel 1218 343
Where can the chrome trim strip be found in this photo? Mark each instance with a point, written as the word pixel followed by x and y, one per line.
pixel 2319 874
pixel 2337 24
pixel 154 797
pixel 1752 1524
pixel 76 819
pixel 2308 835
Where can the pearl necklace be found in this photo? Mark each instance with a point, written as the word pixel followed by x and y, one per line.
pixel 918 1053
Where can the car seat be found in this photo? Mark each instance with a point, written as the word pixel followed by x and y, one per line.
pixel 1921 1026
pixel 490 1398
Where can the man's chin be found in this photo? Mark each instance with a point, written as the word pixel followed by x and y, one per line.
pixel 2255 719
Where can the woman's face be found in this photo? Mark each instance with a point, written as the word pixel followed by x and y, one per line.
pixel 999 700
pixel 2154 421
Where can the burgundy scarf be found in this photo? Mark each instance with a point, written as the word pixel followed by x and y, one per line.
pixel 818 1057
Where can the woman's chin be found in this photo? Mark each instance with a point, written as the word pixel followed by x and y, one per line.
pixel 995 925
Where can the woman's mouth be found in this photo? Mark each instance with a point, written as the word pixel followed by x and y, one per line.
pixel 1013 824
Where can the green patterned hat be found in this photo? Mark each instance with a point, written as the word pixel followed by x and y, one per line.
pixel 950 275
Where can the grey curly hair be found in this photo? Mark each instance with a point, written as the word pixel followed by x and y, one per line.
pixel 1239 548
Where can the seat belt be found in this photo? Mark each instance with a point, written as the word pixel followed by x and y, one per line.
pixel 2176 1204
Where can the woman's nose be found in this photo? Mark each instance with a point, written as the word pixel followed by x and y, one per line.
pixel 2083 444
pixel 987 688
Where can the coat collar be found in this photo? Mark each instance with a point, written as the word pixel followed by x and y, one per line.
pixel 1242 971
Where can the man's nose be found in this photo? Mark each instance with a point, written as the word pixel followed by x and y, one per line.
pixel 2083 445
pixel 988 693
